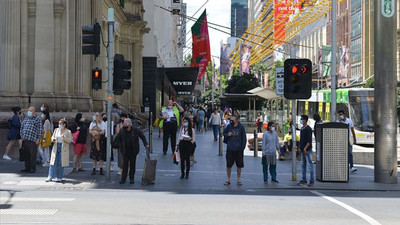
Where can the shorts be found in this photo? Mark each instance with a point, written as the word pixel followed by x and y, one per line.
pixel 234 157
pixel 80 149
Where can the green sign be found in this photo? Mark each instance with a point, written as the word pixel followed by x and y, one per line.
pixel 388 7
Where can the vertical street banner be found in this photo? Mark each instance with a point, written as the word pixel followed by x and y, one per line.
pixel 284 10
pixel 344 61
pixel 245 53
pixel 224 60
pixel 201 54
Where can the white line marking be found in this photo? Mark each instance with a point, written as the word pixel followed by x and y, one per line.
pixel 367 218
pixel 16 199
pixel 28 212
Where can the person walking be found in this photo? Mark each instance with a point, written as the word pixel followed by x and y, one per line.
pixel 128 137
pixel 170 122
pixel 201 114
pixel 80 147
pixel 235 135
pixel 259 122
pixel 45 140
pixel 187 139
pixel 306 151
pixel 352 137
pixel 97 130
pixel 215 121
pixel 61 138
pixel 31 131
pixel 14 132
pixel 270 144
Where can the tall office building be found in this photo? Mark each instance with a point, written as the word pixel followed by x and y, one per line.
pixel 239 12
pixel 356 40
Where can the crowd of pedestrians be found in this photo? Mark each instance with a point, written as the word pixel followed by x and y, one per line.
pixel 40 142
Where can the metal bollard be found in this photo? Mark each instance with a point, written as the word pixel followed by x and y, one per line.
pixel 151 133
pixel 221 143
pixel 255 143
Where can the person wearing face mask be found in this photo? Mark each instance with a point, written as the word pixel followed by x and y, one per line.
pixel 306 152
pixel 80 147
pixel 270 144
pixel 14 132
pixel 128 137
pixel 235 134
pixel 118 128
pixel 31 131
pixel 61 138
pixel 169 121
pixel 352 137
pixel 45 140
pixel 287 144
pixel 187 139
pixel 97 130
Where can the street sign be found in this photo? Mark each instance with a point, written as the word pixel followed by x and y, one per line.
pixel 387 7
pixel 279 80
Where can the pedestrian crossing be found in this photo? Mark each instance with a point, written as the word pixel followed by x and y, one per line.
pixel 22 206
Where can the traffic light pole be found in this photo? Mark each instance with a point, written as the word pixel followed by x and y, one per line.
pixel 333 64
pixel 110 55
pixel 385 36
pixel 294 149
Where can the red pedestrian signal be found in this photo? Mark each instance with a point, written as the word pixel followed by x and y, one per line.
pixel 297 80
pixel 96 79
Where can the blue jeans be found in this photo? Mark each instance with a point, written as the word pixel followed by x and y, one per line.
pixel 57 165
pixel 216 131
pixel 307 158
pixel 351 156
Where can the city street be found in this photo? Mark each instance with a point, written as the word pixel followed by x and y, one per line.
pixel 203 199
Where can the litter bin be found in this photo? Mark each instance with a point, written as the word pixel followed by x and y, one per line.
pixel 332 146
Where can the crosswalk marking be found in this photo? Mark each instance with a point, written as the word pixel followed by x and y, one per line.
pixel 28 212
pixel 17 199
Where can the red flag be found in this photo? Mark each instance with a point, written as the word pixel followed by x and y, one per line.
pixel 201 54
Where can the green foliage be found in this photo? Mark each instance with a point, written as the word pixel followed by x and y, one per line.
pixel 242 84
pixel 370 83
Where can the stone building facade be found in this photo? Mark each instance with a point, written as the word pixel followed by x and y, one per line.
pixel 41 59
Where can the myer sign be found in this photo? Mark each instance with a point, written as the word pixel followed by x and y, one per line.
pixel 182 83
pixel 279 80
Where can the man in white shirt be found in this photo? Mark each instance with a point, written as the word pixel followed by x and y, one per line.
pixel 352 134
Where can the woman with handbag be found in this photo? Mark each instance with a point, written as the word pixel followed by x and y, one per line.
pixel 79 132
pixel 45 139
pixel 60 153
pixel 187 139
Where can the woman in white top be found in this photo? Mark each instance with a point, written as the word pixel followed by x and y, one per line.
pixel 61 138
pixel 187 139
pixel 215 121
pixel 97 129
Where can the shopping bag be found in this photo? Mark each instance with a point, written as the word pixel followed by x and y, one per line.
pixel 156 122
pixel 75 137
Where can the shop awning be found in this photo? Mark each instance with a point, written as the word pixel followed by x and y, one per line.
pixel 265 93
pixel 183 79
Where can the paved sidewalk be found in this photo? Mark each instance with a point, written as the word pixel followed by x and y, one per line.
pixel 208 174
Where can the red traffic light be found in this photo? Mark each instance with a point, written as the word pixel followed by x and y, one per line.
pixel 294 69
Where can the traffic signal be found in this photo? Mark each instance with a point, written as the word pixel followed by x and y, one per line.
pixel 91 39
pixel 297 80
pixel 122 74
pixel 96 78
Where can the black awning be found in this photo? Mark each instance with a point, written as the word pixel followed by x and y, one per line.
pixel 183 79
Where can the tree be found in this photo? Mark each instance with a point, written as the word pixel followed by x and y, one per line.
pixel 242 84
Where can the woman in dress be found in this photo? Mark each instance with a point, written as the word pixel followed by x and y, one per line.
pixel 80 143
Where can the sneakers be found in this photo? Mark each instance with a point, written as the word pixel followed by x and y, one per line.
pixel 48 179
pixel 57 180
pixel 275 181
pixel 6 157
pixel 352 169
pixel 301 183
pixel 311 184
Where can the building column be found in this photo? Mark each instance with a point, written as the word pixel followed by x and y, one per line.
pixel 137 79
pixel 10 48
pixel 44 49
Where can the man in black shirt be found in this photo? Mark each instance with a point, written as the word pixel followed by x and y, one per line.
pixel 128 138
pixel 306 151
